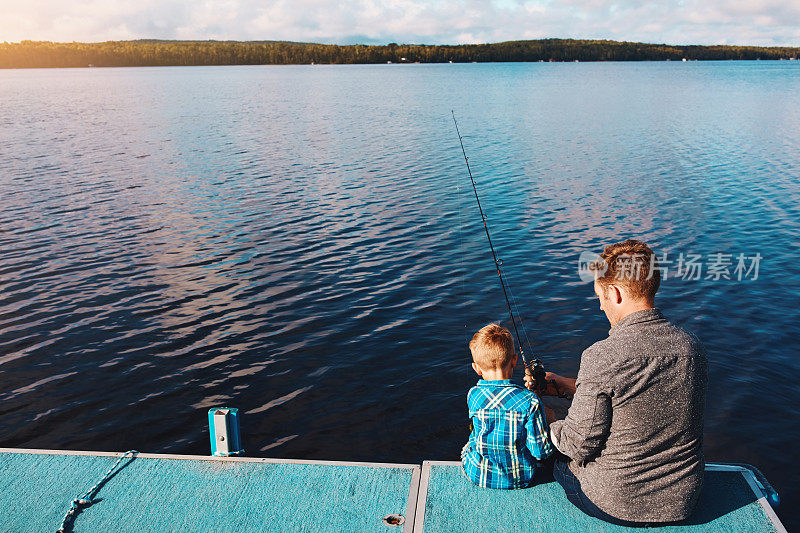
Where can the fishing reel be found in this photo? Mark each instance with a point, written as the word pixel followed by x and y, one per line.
pixel 536 369
pixel 540 381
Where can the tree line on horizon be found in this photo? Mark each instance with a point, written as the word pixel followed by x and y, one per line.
pixel 44 54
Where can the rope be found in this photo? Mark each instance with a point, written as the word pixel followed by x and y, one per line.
pixel 80 503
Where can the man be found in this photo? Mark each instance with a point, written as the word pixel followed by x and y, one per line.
pixel 633 436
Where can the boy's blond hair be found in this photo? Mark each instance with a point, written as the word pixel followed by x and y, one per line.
pixel 492 347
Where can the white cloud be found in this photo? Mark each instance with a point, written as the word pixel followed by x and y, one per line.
pixel 754 22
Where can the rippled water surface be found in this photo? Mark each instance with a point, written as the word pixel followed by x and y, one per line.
pixel 301 243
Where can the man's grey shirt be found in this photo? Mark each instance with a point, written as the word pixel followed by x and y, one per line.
pixel 634 430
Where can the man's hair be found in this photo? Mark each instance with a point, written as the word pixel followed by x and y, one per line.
pixel 631 264
pixel 492 347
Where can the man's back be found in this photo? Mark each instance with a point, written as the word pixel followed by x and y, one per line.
pixel 635 429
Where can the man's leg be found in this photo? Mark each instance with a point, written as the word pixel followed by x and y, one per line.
pixel 564 476
pixel 572 489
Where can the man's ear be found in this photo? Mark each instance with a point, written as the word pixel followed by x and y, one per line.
pixel 514 361
pixel 615 294
pixel 477 369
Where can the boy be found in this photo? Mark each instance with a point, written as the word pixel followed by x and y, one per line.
pixel 509 431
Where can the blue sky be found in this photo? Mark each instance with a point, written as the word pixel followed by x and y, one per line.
pixel 749 22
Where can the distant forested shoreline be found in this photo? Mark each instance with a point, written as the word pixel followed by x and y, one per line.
pixel 45 54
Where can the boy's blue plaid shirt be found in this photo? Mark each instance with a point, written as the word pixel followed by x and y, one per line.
pixel 509 433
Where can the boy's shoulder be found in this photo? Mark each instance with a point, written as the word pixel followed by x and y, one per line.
pixel 507 396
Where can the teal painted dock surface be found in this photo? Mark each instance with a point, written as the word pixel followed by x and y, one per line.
pixel 161 493
pixel 154 493
pixel 448 503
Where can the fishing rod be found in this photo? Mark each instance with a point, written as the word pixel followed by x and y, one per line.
pixel 535 366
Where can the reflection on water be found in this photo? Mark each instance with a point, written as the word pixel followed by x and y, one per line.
pixel 300 242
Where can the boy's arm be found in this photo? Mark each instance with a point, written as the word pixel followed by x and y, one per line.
pixel 536 428
pixel 471 408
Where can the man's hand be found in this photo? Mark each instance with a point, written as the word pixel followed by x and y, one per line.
pixel 565 385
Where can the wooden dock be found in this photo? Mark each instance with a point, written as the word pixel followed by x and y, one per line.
pixel 164 493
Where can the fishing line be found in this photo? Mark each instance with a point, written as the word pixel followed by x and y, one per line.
pixel 519 314
pixel 535 366
pixel 461 270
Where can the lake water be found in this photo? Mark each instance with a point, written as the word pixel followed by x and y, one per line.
pixel 302 243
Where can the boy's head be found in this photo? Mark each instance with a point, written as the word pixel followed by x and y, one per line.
pixel 492 348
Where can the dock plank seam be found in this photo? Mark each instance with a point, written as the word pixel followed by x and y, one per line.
pixel 411 504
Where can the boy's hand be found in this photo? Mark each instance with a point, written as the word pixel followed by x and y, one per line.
pixel 565 385
pixel 530 384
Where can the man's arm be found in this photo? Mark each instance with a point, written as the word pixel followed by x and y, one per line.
pixel 582 434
